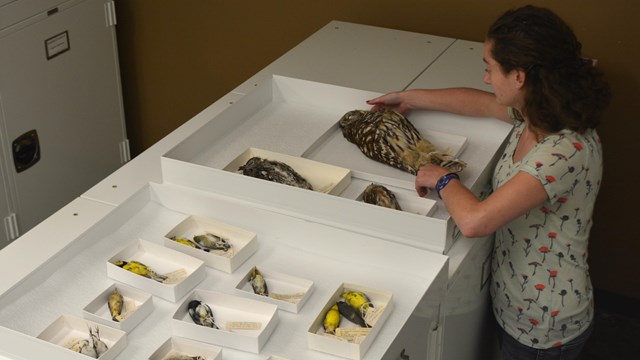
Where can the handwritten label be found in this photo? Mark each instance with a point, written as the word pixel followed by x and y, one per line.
pixel 373 314
pixel 354 335
pixel 243 325
pixel 292 298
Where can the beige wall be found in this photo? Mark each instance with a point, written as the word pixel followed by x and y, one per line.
pixel 178 57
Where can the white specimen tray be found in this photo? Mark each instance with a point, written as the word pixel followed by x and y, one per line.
pixel 187 347
pixel 68 327
pixel 318 340
pixel 287 245
pixel 243 243
pixel 137 305
pixel 299 118
pixel 227 309
pixel 163 261
pixel 288 292
pixel 322 177
pixel 408 200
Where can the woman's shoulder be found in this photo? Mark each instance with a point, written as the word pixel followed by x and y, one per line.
pixel 567 149
pixel 573 141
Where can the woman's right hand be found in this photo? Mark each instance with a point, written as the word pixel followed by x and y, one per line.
pixel 392 101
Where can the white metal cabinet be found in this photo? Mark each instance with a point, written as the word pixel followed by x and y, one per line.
pixel 59 80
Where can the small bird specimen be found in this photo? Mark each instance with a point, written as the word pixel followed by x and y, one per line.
pixel 354 306
pixel 180 356
pixel 115 301
pixel 201 314
pixel 82 346
pixel 358 301
pixel 388 137
pixel 141 269
pixel 351 314
pixel 185 241
pixel 92 347
pixel 209 241
pixel 379 195
pixel 98 344
pixel 257 283
pixel 275 171
pixel 332 320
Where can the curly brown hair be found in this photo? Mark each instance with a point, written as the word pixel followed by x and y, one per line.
pixel 563 90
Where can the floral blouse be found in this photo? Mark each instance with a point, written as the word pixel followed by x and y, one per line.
pixel 541 290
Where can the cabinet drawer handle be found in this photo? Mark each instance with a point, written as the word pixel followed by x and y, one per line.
pixel 404 356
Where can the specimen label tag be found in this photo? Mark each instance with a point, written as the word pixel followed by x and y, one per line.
pixel 355 335
pixel 293 298
pixel 243 325
pixel 373 314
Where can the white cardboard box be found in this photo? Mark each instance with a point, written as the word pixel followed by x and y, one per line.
pixel 187 347
pixel 227 310
pixel 287 292
pixel 243 242
pixel 163 261
pixel 137 306
pixel 408 200
pixel 317 339
pixel 68 327
pixel 322 177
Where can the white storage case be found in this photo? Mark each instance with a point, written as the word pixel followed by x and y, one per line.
pixel 318 340
pixel 187 347
pixel 283 115
pixel 227 309
pixel 285 243
pixel 243 243
pixel 68 327
pixel 288 292
pixel 162 260
pixel 137 306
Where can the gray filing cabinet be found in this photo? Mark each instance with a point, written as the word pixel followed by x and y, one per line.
pixel 62 124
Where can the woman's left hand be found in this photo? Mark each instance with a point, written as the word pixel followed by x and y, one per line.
pixel 427 177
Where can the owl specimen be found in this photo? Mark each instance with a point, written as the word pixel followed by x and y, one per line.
pixel 379 195
pixel 388 137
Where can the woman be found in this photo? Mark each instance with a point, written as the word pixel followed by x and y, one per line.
pixel 545 184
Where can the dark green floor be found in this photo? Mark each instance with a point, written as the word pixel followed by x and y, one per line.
pixel 616 334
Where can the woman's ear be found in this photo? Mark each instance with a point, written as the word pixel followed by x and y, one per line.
pixel 520 77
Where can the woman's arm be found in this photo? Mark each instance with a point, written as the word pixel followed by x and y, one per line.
pixel 461 101
pixel 475 217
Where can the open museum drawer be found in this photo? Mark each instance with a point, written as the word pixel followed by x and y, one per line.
pixel 288 245
pixel 297 120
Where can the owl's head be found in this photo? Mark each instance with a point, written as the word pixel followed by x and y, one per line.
pixel 352 117
pixel 350 121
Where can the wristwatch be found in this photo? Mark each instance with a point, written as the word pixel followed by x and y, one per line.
pixel 444 180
